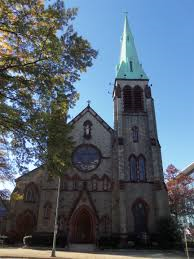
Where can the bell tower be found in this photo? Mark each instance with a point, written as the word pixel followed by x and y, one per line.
pixel 139 163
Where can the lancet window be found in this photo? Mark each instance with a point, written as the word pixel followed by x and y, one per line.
pixel 135 134
pixel 137 168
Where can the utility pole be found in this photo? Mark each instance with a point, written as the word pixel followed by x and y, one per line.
pixel 56 218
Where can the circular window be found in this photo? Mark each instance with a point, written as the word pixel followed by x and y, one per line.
pixel 86 158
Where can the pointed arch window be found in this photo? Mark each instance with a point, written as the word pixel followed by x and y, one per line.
pixel 64 183
pixel 105 224
pixel 94 184
pixel 138 98
pixel 105 184
pixel 127 99
pixel 142 169
pixel 47 210
pixel 133 168
pixel 135 134
pixel 87 129
pixel 31 193
pixel 75 184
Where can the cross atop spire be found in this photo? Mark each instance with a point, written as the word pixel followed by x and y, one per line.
pixel 129 66
pixel 88 102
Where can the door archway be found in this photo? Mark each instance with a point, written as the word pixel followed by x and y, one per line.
pixel 82 226
pixel 140 213
pixel 25 223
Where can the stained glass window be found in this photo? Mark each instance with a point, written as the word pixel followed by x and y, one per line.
pixel 142 173
pixel 133 168
pixel 86 158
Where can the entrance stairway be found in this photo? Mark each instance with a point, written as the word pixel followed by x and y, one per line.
pixel 82 247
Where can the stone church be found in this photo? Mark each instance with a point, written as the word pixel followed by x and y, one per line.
pixel 115 185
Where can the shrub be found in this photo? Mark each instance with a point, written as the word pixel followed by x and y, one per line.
pixel 46 239
pixel 168 233
pixel 108 242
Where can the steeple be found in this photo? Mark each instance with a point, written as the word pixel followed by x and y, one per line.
pixel 129 66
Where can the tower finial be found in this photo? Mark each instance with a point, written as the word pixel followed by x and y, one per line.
pixel 88 101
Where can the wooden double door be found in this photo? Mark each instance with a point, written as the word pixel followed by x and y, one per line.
pixel 82 227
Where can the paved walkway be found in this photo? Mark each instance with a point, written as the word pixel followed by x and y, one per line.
pixel 130 254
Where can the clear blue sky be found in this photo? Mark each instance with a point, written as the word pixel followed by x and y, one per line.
pixel 164 36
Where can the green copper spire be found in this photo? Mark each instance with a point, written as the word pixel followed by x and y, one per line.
pixel 129 66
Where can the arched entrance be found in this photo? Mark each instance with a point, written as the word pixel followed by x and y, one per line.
pixel 82 226
pixel 140 213
pixel 25 223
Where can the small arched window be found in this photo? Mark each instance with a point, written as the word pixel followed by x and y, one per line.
pixel 94 184
pixel 87 129
pixel 61 222
pixel 75 184
pixel 142 168
pixel 133 168
pixel 31 193
pixel 127 99
pixel 105 184
pixel 135 134
pixel 138 98
pixel 105 224
pixel 64 183
pixel 47 210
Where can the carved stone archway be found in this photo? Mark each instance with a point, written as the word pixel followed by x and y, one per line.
pixel 82 225
pixel 25 223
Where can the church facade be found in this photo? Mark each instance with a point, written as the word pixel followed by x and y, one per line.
pixel 115 185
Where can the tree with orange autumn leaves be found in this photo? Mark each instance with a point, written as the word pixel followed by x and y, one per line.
pixel 180 193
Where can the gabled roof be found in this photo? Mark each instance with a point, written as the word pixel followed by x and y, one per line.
pixel 27 174
pixel 89 202
pixel 72 122
pixel 95 115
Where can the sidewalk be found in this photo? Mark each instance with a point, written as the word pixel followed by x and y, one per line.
pixel 129 254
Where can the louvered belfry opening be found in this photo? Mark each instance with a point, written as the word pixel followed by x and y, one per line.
pixel 138 98
pixel 127 99
pixel 133 99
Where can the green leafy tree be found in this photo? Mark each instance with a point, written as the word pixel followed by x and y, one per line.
pixel 41 57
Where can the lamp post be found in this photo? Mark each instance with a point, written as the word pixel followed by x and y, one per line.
pixel 56 218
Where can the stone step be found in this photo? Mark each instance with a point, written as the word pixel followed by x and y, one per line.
pixel 82 247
